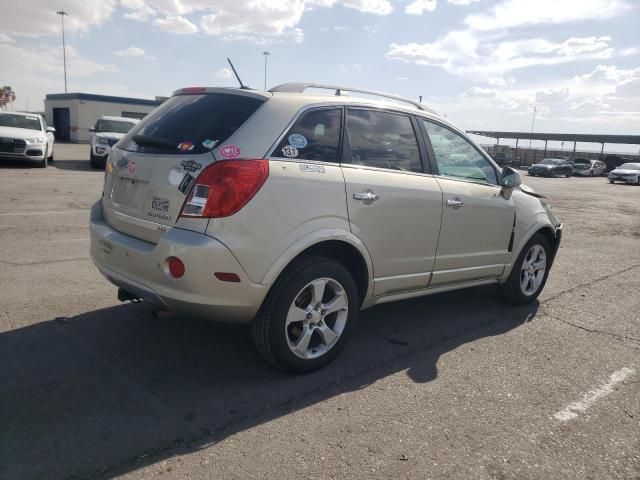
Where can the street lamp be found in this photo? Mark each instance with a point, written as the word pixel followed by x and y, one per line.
pixel 532 122
pixel 266 54
pixel 62 13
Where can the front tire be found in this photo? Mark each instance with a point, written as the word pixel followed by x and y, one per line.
pixel 43 162
pixel 308 316
pixel 530 272
pixel 610 181
pixel 93 161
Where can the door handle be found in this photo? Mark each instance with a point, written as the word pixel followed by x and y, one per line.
pixel 455 203
pixel 367 196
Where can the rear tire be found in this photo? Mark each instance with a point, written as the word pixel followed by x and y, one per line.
pixel 296 329
pixel 527 279
pixel 611 181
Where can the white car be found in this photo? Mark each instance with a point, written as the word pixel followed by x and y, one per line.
pixel 627 172
pixel 104 135
pixel 584 167
pixel 26 136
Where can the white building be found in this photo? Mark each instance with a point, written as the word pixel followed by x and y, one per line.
pixel 73 114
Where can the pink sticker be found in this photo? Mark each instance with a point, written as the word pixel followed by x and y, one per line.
pixel 229 151
pixel 131 166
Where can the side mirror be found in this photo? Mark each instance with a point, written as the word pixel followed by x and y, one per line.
pixel 510 180
pixel 51 129
pixel 91 129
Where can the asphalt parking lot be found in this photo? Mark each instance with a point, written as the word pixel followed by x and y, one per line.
pixel 457 385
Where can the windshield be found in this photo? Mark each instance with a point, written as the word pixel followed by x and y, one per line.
pixel 548 161
pixel 629 166
pixel 113 126
pixel 30 122
pixel 190 124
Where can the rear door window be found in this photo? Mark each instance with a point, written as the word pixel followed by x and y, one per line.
pixel 314 136
pixel 190 124
pixel 382 140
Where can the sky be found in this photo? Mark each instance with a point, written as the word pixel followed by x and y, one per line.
pixel 485 64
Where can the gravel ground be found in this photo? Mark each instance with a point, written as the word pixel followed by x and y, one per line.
pixel 457 385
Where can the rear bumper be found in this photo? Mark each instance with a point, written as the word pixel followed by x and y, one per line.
pixel 582 173
pixel 140 268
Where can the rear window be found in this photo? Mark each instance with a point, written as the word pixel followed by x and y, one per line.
pixel 113 126
pixel 190 124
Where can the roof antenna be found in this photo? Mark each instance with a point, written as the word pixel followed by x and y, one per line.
pixel 242 85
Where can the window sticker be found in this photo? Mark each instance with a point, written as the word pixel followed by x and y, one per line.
pixel 185 146
pixel 290 151
pixel 131 167
pixel 298 141
pixel 209 144
pixel 229 151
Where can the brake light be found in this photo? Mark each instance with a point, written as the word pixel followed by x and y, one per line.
pixel 193 90
pixel 224 187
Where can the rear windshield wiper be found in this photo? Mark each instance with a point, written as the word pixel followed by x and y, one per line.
pixel 153 141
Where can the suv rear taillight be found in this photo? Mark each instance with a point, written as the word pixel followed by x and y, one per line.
pixel 224 187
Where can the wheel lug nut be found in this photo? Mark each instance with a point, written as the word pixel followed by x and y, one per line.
pixel 309 316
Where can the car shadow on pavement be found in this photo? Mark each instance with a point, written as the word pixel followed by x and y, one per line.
pixel 112 390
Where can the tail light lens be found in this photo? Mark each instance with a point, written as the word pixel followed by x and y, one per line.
pixel 224 187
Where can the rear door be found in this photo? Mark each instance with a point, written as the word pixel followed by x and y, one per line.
pixel 394 206
pixel 477 222
pixel 151 170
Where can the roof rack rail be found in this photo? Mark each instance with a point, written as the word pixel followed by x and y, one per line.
pixel 300 87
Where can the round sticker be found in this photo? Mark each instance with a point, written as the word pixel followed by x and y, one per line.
pixel 185 146
pixel 229 151
pixel 297 140
pixel 289 151
pixel 175 176
pixel 131 167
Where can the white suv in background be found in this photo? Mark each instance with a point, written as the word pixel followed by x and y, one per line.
pixel 26 136
pixel 291 212
pixel 104 135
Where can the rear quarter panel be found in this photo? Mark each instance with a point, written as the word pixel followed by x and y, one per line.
pixel 292 204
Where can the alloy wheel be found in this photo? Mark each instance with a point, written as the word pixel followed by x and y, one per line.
pixel 533 269
pixel 316 318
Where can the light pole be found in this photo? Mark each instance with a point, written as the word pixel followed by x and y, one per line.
pixel 532 122
pixel 266 54
pixel 62 13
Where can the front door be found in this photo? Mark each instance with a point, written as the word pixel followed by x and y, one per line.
pixel 477 222
pixel 394 208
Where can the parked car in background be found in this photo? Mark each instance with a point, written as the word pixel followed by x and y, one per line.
pixel 627 172
pixel 583 167
pixel 291 212
pixel 26 136
pixel 104 135
pixel 613 161
pixel 551 167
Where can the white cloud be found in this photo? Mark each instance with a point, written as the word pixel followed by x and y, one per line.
pixel 553 95
pixel 479 92
pixel 130 52
pixel 175 24
pixel 418 7
pixel 35 71
pixel 38 17
pixel 223 73
pixel 463 53
pixel 402 79
pixel 516 13
pixel 462 2
pixel 609 73
pixel 4 38
pixel 377 7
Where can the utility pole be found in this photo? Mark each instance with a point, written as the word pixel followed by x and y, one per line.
pixel 62 13
pixel 266 54
pixel 420 98
pixel 532 122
